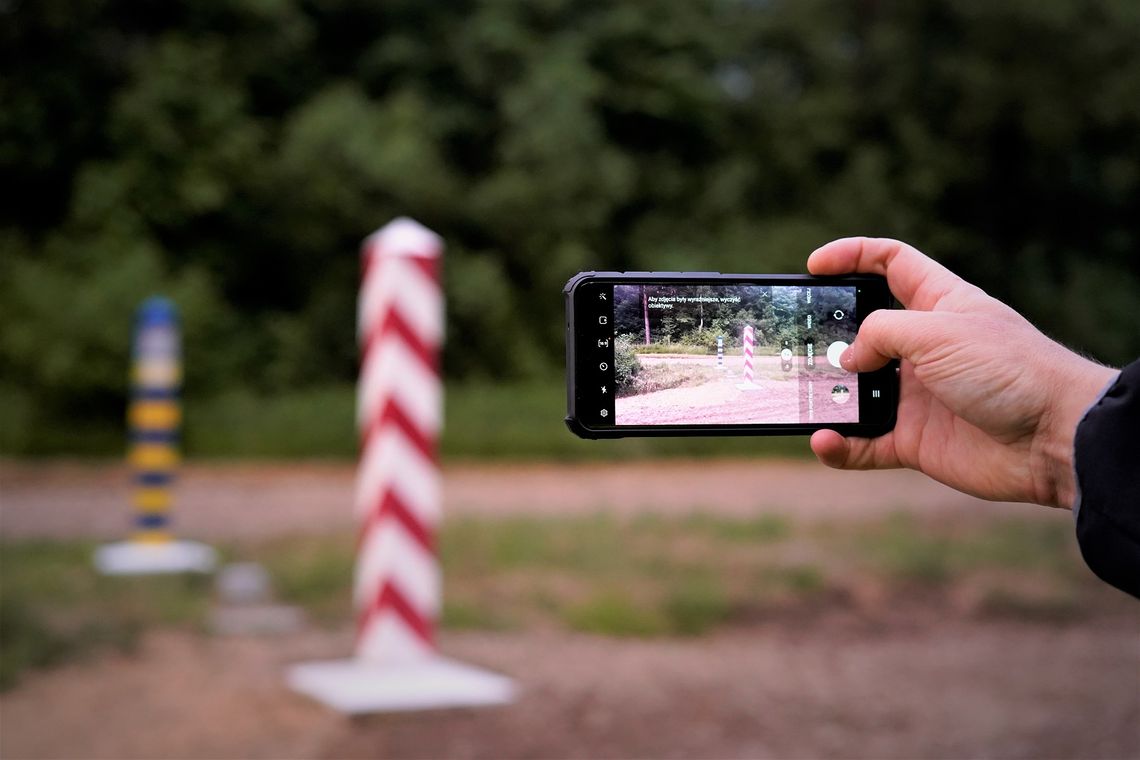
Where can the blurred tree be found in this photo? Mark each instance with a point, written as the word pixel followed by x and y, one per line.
pixel 233 153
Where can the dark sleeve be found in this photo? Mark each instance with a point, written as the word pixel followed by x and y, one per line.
pixel 1107 461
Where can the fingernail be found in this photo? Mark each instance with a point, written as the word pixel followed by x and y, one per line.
pixel 847 358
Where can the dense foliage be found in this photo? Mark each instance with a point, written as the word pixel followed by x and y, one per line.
pixel 232 154
pixel 661 317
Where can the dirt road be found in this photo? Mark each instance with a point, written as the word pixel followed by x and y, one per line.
pixel 724 396
pixel 839 688
pixel 254 501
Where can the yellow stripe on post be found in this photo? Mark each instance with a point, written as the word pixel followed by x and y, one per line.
pixel 149 415
pixel 151 536
pixel 152 499
pixel 153 456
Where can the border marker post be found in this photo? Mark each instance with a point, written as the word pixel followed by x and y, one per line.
pixel 396 591
pixel 155 417
pixel 749 373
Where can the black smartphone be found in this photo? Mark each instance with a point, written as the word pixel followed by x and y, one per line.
pixel 704 353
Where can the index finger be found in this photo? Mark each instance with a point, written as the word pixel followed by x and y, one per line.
pixel 917 280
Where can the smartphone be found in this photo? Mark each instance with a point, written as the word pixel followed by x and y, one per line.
pixel 704 353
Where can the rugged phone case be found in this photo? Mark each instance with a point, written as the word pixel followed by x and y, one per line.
pixel 584 431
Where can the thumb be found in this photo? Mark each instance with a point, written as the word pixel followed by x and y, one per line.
pixel 890 334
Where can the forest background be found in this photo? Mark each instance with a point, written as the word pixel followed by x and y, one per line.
pixel 233 153
pixel 690 318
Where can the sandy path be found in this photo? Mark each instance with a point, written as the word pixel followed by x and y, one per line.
pixel 775 397
pixel 942 688
pixel 249 501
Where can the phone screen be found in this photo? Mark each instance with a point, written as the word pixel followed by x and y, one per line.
pixel 687 355
pixel 733 354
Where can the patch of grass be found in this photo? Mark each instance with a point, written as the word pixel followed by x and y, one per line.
pixel 756 530
pixel 783 584
pixel 459 615
pixel 800 579
pixel 906 553
pixel 695 605
pixel 584 545
pixel 615 613
pixel 909 551
pixel 311 423
pixel 650 576
pixel 27 641
pixel 312 572
pixel 662 377
pixel 55 607
pixel 677 348
pixel 654 575
pixel 524 421
pixel 1021 545
pixel 518 420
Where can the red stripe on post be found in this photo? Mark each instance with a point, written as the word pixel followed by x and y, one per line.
pixel 393 322
pixel 428 265
pixel 393 508
pixel 393 414
pixel 390 599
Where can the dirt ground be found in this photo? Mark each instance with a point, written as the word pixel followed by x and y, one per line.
pixel 241 501
pixel 833 688
pixel 774 396
pixel 918 680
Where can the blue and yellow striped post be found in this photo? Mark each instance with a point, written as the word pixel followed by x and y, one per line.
pixel 154 418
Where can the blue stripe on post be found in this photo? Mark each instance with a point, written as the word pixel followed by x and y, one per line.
pixel 155 436
pixel 153 478
pixel 141 393
pixel 150 520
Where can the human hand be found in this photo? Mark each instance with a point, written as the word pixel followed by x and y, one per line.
pixel 988 405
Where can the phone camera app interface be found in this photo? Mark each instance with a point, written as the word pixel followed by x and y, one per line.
pixel 732 354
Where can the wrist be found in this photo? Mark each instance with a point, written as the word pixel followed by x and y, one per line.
pixel 1078 385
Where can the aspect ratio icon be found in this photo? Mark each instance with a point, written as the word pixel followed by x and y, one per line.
pixel 603 342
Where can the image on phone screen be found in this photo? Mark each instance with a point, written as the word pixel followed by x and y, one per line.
pixel 733 354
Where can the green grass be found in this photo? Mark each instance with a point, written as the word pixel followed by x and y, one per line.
pixel 484 421
pixel 54 606
pixel 695 604
pixel 904 549
pixel 614 612
pixel 649 576
pixel 662 377
pixel 313 572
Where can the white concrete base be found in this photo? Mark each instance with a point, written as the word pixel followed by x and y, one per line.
pixel 357 687
pixel 748 386
pixel 143 558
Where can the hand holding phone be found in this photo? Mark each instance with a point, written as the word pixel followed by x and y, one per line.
pixel 658 353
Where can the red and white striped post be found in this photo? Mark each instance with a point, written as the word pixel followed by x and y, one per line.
pixel 396 590
pixel 749 372
pixel 399 416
